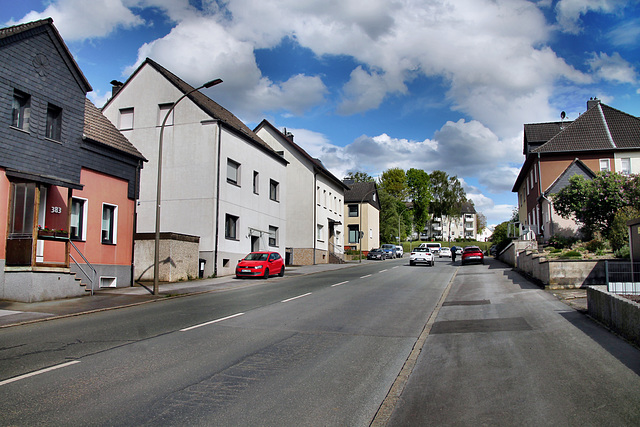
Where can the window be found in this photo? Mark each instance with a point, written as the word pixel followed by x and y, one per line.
pixel 353 210
pixel 320 233
pixel 256 182
pixel 626 166
pixel 231 227
pixel 78 219
pixel 604 165
pixel 354 233
pixel 54 122
pixel 163 109
pixel 233 172
pixel 21 110
pixel 109 224
pixel 273 236
pixel 126 119
pixel 274 190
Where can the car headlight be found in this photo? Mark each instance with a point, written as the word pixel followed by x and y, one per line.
pixel 258 267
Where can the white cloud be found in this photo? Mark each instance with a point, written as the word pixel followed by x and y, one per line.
pixel 612 68
pixel 569 12
pixel 80 19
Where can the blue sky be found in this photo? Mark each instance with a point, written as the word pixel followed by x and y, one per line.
pixel 366 85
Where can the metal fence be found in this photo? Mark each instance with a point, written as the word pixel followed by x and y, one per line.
pixel 623 277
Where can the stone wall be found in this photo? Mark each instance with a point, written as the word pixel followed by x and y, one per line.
pixel 615 312
pixel 178 257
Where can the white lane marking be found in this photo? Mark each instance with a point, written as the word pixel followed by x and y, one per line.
pixel 41 371
pixel 209 323
pixel 382 271
pixel 341 283
pixel 396 266
pixel 368 275
pixel 299 296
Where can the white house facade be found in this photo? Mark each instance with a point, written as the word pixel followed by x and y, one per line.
pixel 315 203
pixel 220 181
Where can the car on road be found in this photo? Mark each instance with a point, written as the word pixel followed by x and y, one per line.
pixel 260 264
pixel 472 254
pixel 399 251
pixel 389 249
pixel 376 254
pixel 421 255
pixel 434 247
pixel 444 251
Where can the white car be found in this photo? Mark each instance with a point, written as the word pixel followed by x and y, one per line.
pixel 399 251
pixel 421 255
pixel 444 251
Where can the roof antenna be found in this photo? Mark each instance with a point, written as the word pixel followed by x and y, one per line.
pixel 563 115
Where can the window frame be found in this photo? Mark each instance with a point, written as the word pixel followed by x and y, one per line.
pixel 623 170
pixel 82 225
pixel 20 111
pixel 228 228
pixel 274 190
pixel 608 167
pixel 112 232
pixel 354 228
pixel 256 182
pixel 232 163
pixel 320 232
pixel 357 210
pixel 53 129
pixel 128 114
pixel 273 236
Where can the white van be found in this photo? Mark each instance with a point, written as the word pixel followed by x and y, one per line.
pixel 434 248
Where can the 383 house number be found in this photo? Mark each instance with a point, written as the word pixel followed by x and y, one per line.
pixel 56 209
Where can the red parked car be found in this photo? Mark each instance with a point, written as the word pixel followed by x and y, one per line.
pixel 472 254
pixel 260 264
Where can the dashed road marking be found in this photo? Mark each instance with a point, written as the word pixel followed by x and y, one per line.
pixel 209 323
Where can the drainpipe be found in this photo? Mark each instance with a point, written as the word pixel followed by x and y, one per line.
pixel 315 214
pixel 136 195
pixel 215 250
pixel 540 189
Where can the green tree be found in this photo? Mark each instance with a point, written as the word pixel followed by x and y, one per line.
pixel 619 233
pixel 448 195
pixel 594 203
pixel 481 222
pixel 419 190
pixel 394 182
pixel 500 236
pixel 388 216
pixel 359 177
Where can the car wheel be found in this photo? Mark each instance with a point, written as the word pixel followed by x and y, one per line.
pixel 412 263
pixel 266 274
pixel 281 271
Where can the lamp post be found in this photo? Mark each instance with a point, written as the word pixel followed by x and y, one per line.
pixel 400 216
pixel 360 233
pixel 156 259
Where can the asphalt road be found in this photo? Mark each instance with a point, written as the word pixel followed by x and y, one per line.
pixel 314 350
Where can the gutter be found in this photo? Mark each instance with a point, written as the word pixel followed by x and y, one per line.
pixel 315 214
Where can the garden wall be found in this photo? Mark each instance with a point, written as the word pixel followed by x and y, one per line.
pixel 617 313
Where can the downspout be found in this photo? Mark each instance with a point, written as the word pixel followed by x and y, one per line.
pixel 215 250
pixel 547 199
pixel 315 214
pixel 540 193
pixel 136 195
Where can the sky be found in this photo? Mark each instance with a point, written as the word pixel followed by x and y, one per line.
pixel 368 85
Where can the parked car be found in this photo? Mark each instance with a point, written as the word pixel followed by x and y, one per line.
pixel 399 251
pixel 472 254
pixel 389 249
pixel 421 255
pixel 376 254
pixel 434 247
pixel 260 264
pixel 493 250
pixel 444 251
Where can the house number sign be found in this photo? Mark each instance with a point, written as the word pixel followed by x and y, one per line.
pixel 56 209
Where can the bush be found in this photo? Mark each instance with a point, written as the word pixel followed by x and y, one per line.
pixel 595 246
pixel 623 252
pixel 561 242
pixel 619 233
pixel 571 254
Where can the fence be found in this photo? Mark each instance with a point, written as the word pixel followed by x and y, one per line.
pixel 623 277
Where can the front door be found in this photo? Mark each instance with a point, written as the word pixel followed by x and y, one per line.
pixel 21 223
pixel 255 243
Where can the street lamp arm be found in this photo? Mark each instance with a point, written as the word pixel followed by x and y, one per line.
pixel 156 260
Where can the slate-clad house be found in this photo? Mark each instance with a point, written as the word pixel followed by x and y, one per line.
pixel 601 139
pixel 315 202
pixel 220 181
pixel 68 179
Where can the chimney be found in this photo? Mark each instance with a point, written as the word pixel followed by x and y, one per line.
pixel 592 102
pixel 288 135
pixel 115 87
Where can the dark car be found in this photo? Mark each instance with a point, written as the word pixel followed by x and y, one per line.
pixel 390 250
pixel 472 254
pixel 260 264
pixel 376 254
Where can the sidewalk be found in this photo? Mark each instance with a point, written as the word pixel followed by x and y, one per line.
pixel 16 313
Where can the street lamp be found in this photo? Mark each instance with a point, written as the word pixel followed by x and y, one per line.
pixel 156 259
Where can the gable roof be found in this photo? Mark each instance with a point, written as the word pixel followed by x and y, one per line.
pixel 536 134
pixel 599 128
pixel 358 190
pixel 317 164
pixel 98 128
pixel 209 106
pixel 577 167
pixel 21 31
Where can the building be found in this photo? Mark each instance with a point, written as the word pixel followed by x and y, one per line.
pixel 601 139
pixel 315 203
pixel 68 179
pixel 220 181
pixel 450 229
pixel 362 213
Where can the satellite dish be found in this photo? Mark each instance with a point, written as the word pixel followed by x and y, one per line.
pixel 563 115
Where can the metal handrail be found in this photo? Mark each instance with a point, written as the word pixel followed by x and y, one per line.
pixel 95 272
